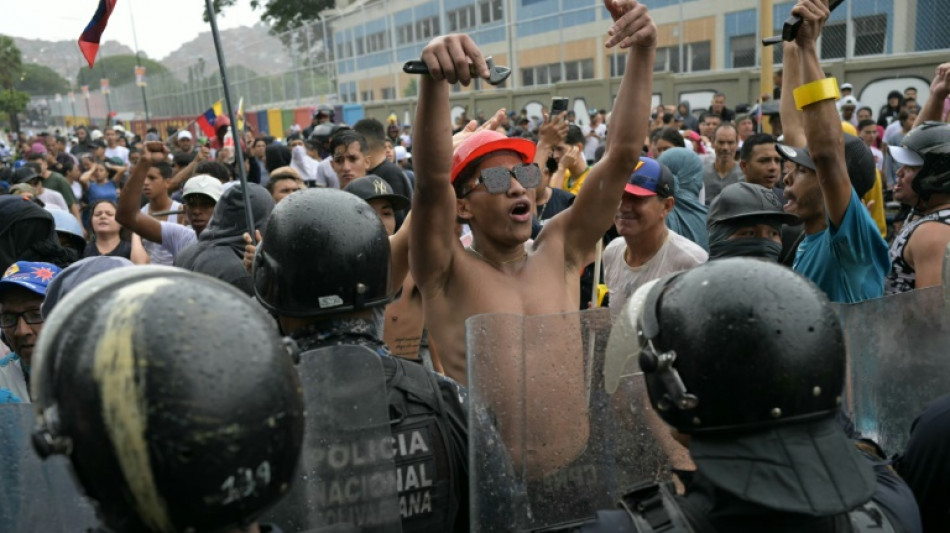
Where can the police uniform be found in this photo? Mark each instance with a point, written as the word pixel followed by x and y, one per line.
pixel 428 416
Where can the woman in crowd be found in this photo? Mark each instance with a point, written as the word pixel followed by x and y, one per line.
pixel 108 238
pixel 97 186
pixel 688 217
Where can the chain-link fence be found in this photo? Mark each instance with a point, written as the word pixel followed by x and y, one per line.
pixel 354 56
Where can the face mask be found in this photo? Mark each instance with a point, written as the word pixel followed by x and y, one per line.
pixel 746 247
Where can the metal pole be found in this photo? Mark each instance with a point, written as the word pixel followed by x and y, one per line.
pixel 138 61
pixel 765 76
pixel 239 155
pixel 682 64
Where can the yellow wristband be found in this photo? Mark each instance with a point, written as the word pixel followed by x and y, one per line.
pixel 816 91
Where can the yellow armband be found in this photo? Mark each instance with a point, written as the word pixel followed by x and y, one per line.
pixel 816 91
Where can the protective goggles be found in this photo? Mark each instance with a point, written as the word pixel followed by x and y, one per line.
pixel 497 180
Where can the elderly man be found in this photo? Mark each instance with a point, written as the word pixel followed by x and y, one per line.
pixel 22 291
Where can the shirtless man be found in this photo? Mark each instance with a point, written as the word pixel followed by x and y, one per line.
pixel 499 273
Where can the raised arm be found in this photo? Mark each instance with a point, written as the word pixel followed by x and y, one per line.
pixel 186 173
pixel 939 91
pixel 821 120
pixel 399 245
pixel 792 127
pixel 552 132
pixel 127 212
pixel 593 211
pixel 433 233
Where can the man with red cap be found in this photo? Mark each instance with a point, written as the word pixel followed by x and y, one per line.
pixel 488 183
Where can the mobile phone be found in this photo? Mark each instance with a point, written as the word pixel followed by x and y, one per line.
pixel 558 105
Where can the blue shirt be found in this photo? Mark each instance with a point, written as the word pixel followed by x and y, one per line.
pixel 848 263
pixel 12 380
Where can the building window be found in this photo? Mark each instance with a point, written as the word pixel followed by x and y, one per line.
pixel 376 42
pixel 700 56
pixel 618 64
pixel 388 93
pixel 367 96
pixel 461 18
pixel 359 46
pixel 834 40
pixel 404 34
pixel 527 77
pixel 427 28
pixel 870 35
pixel 587 69
pixel 743 51
pixel 571 71
pixel 491 11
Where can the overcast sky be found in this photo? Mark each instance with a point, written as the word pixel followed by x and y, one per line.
pixel 162 26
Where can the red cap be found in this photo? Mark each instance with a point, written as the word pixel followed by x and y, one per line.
pixel 485 142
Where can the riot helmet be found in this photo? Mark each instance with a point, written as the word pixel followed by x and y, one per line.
pixel 152 407
pixel 324 252
pixel 321 134
pixel 739 344
pixel 931 140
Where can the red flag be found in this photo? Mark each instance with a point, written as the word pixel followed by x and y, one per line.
pixel 89 40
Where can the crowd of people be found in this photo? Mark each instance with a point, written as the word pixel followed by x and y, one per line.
pixel 385 240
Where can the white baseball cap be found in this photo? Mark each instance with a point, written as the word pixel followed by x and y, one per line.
pixel 905 157
pixel 184 134
pixel 846 86
pixel 204 184
pixel 402 154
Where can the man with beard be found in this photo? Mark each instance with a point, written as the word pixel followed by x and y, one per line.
pixel 723 170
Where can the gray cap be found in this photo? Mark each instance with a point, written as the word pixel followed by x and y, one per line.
pixel 743 199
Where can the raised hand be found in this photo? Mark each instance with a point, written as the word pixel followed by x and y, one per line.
pixel 940 86
pixel 632 26
pixel 471 127
pixel 814 14
pixel 154 152
pixel 454 58
pixel 553 130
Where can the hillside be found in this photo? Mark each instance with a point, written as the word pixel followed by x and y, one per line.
pixel 63 56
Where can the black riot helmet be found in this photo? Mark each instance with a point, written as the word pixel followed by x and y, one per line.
pixel 739 344
pixel 931 140
pixel 170 423
pixel 324 252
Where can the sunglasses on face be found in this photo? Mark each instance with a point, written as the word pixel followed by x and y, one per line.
pixel 497 180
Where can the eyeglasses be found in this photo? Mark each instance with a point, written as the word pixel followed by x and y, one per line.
pixel 498 179
pixel 31 316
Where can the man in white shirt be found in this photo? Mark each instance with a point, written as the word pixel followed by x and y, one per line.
pixel 646 249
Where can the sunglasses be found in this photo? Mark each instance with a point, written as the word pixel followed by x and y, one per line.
pixel 497 180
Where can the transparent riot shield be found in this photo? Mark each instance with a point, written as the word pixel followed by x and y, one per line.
pixel 36 495
pixel 549 442
pixel 898 361
pixel 346 480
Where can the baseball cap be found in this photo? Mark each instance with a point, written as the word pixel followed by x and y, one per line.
pixel 485 142
pixel 185 134
pixel 152 137
pixel 38 148
pixel 25 174
pixel 905 156
pixel 204 184
pixel 651 178
pixel 857 156
pixel 743 199
pixel 372 187
pixel 34 277
pixel 402 154
pixel 849 100
pixel 846 86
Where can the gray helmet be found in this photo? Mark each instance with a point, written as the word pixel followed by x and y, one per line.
pixel 931 140
pixel 152 407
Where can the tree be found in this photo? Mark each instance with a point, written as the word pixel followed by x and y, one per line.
pixel 11 62
pixel 282 15
pixel 119 70
pixel 41 80
pixel 13 102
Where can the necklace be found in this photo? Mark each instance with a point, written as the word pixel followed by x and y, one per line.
pixel 489 261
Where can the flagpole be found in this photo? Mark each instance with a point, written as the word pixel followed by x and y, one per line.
pixel 249 217
pixel 138 61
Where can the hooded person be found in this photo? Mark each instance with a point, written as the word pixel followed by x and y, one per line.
pixel 688 217
pixel 220 247
pixel 746 220
pixel 690 122
pixel 28 233
pixel 276 156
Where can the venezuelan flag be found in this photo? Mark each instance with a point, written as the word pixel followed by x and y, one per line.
pixel 89 40
pixel 206 120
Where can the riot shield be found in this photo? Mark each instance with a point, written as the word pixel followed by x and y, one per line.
pixel 36 495
pixel 346 480
pixel 549 442
pixel 898 361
